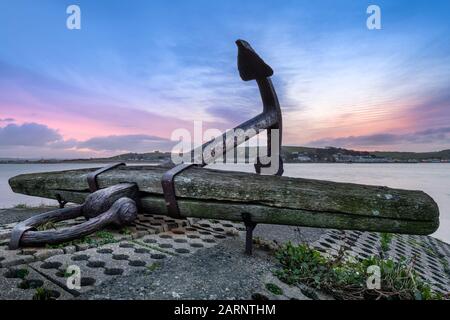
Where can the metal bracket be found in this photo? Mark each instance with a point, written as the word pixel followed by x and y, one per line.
pixel 16 236
pixel 168 186
pixel 62 203
pixel 92 177
pixel 20 229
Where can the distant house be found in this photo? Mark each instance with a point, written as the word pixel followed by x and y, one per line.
pixel 304 158
pixel 431 160
pixel 346 158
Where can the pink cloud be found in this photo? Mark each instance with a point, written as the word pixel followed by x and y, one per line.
pixel 86 121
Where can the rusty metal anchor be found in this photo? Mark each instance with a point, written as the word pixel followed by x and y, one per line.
pixel 251 67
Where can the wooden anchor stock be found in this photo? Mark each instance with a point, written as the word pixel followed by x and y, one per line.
pixel 214 194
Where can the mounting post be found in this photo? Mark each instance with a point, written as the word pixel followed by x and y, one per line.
pixel 62 203
pixel 249 227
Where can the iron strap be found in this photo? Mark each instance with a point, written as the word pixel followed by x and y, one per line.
pixel 92 177
pixel 168 186
pixel 16 235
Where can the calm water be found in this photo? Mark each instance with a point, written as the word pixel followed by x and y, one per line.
pixel 433 178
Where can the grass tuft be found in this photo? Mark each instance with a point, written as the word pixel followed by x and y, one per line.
pixel 276 290
pixel 99 238
pixel 43 294
pixel 385 239
pixel 152 267
pixel 21 206
pixel 46 226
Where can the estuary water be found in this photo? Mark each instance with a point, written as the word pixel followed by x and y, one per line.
pixel 433 178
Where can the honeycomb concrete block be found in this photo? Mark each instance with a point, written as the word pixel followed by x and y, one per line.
pixel 182 241
pixel 150 240
pixel 220 226
pixel 101 264
pixel 428 256
pixel 82 246
pixel 23 283
pixel 70 249
pixel 5 230
pixel 159 223
pixel 42 254
pixel 10 258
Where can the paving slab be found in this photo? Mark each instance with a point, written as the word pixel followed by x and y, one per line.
pixel 222 271
pixel 23 283
pixel 10 258
pixel 98 265
pixel 147 242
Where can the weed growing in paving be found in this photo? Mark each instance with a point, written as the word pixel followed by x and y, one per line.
pixel 46 226
pixel 125 231
pixel 276 290
pixel 44 294
pixel 97 239
pixel 21 206
pixel 16 273
pixel 22 273
pixel 385 239
pixel 152 267
pixel 153 247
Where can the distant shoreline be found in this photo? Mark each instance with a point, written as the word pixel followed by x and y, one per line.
pixel 152 162
pixel 289 154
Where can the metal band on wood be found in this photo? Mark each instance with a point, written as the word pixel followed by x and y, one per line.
pixel 92 177
pixel 16 236
pixel 168 186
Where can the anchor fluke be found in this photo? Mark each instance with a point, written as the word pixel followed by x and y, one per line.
pixel 250 64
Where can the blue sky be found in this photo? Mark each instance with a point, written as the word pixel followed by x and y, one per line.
pixel 137 70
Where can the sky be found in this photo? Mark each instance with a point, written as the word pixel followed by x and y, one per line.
pixel 138 70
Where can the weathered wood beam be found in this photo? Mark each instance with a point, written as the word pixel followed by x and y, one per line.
pixel 215 194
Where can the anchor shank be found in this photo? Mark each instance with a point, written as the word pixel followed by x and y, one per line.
pixel 233 138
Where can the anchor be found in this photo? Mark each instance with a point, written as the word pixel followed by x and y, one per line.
pixel 251 67
pixel 211 194
pixel 119 204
